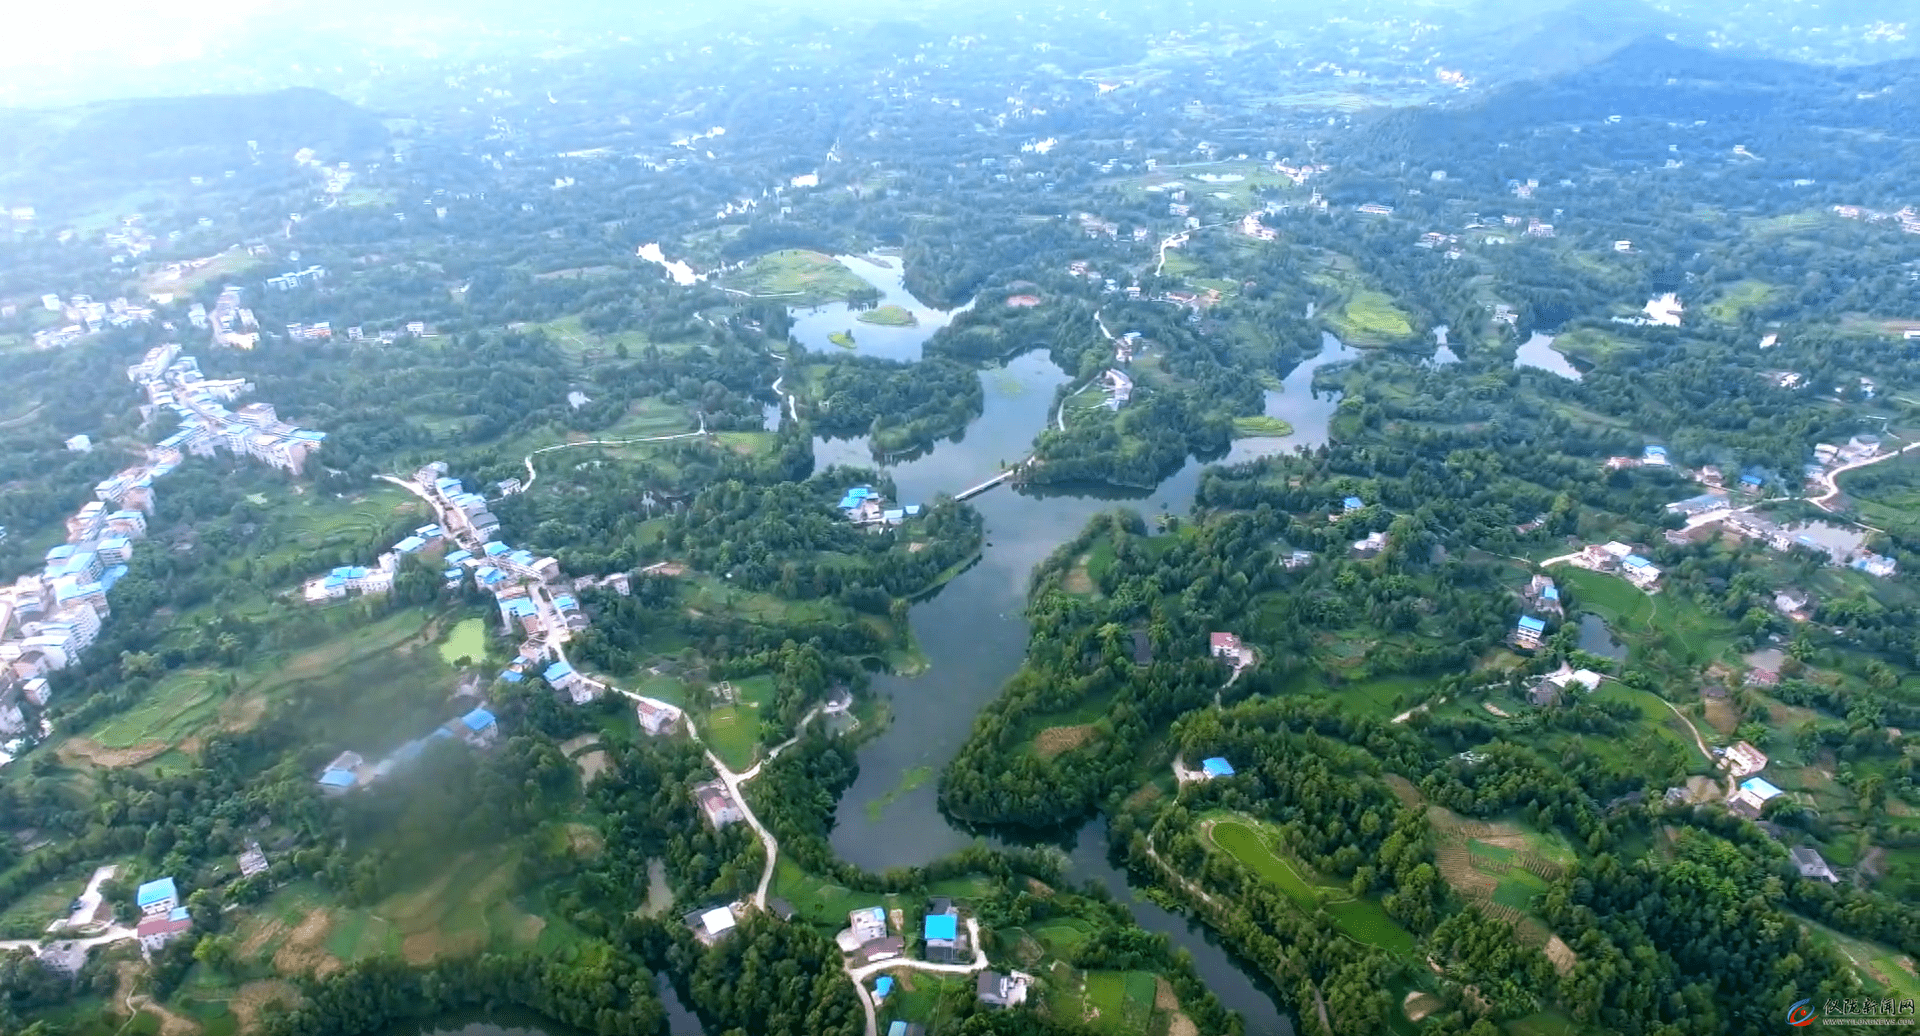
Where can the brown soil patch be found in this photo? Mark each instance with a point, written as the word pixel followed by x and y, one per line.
pixel 1056 740
pixel 253 998
pixel 1163 995
pixel 916 546
pixel 1039 888
pixel 1560 955
pixel 1418 1005
pixel 592 764
pixel 257 941
pixel 1404 790
pixel 1146 796
pixel 1181 1025
pixel 1721 716
pixel 1078 580
pixel 90 751
pixel 1702 789
pixel 1495 709
pixel 1023 301
pixel 529 927
pixel 244 713
pixel 170 1024
pixel 301 954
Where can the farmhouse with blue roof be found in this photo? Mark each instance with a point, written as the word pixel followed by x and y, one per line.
pixel 158 896
pixel 1216 766
pixel 1529 631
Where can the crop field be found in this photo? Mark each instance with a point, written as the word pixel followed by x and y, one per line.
pixel 179 705
pixel 300 523
pixel 1370 318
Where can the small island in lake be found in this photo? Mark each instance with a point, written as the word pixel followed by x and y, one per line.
pixel 843 339
pixel 889 316
pixel 1260 425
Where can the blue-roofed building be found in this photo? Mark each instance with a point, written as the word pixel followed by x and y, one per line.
pixel 1353 503
pixel 430 531
pixel 883 988
pixel 410 545
pixel 1654 455
pixel 1753 480
pixel 913 510
pixel 894 515
pixel 1632 561
pixel 335 781
pixel 1759 787
pixel 448 486
pixel 452 576
pixel 112 575
pixel 512 675
pixel 1216 767
pixel 60 554
pixel 459 557
pixel 495 548
pixel 942 926
pixel 523 558
pixel 157 897
pixel 479 722
pixel 565 601
pixel 1529 631
pixel 1551 593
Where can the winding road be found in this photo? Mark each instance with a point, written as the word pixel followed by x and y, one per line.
pixel 532 475
pixel 1832 478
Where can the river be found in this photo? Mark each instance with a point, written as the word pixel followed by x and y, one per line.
pixel 1538 351
pixel 974 631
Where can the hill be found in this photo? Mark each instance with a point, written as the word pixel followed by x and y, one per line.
pixel 1555 41
pixel 156 137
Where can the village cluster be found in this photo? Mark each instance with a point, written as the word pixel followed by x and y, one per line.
pixel 48 618
pixel 534 601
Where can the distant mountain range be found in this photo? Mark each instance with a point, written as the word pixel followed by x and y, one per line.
pixel 182 136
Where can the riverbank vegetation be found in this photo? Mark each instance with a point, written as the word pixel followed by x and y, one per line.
pixel 899 406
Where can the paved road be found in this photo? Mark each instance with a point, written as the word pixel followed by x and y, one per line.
pixel 114 934
pixel 1832 478
pixel 860 974
pixel 532 474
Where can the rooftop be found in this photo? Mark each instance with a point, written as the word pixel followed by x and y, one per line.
pixel 1216 767
pixel 943 926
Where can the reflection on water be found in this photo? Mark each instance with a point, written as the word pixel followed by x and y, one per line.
pixel 1538 351
pixel 811 327
pixel 1597 639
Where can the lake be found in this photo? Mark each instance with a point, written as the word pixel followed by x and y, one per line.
pixel 811 327
pixel 974 631
pixel 1539 352
pixel 1597 639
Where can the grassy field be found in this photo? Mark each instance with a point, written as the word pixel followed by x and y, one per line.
pixel 466 907
pixel 1369 318
pixel 1250 847
pixel 223 267
pixel 298 523
pixel 888 316
pixel 1735 299
pixel 1260 425
pixel 468 640
pixel 800 277
pixel 182 703
pixel 815 899
pixel 371 681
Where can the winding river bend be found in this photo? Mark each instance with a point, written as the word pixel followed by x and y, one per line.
pixel 974 630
